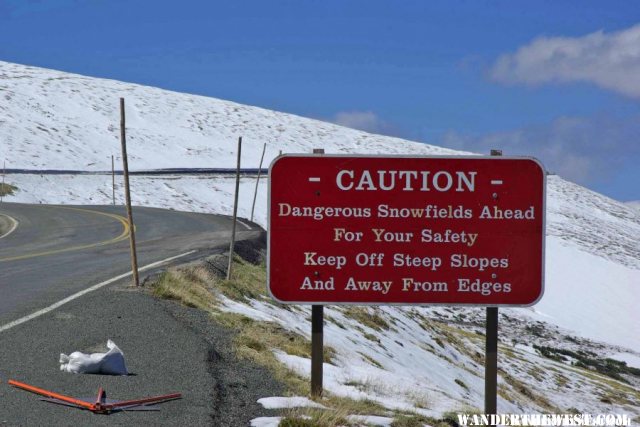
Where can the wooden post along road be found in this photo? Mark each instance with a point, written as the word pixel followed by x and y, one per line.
pixel 127 193
pixel 235 211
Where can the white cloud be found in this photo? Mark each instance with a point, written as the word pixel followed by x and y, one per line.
pixel 585 150
pixel 609 60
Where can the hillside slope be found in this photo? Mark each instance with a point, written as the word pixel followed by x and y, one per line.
pixel 55 120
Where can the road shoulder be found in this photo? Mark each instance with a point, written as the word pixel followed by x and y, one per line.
pixel 168 348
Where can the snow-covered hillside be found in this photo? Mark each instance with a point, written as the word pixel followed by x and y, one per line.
pixel 635 204
pixel 54 120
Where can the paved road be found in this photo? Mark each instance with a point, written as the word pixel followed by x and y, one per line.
pixel 57 251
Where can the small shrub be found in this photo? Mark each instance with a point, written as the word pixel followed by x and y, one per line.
pixel 410 421
pixel 296 422
pixel 461 384
pixel 7 189
pixel 371 360
pixel 372 337
pixel 588 360
pixel 363 315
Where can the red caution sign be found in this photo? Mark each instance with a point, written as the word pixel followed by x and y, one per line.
pixel 406 230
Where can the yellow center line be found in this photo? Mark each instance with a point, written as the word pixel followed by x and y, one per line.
pixel 122 236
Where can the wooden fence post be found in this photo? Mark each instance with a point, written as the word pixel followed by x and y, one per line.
pixel 255 193
pixel 4 172
pixel 127 194
pixel 235 211
pixel 113 180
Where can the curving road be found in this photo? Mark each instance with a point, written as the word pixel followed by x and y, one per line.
pixel 56 251
pixel 59 251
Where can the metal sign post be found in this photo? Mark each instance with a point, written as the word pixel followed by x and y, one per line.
pixel 491 362
pixel 491 353
pixel 317 338
pixel 317 349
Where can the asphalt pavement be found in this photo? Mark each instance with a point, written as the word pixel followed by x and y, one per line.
pixel 58 251
pixel 168 348
pixel 6 225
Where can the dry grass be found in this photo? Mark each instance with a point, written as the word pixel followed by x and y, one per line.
pixel 255 341
pixel 372 337
pixel 367 316
pixel 313 417
pixel 192 287
pixel 201 288
pixel 339 408
pixel 524 391
pixel 248 281
pixel 412 420
pixel 461 383
pixel 355 407
pixel 419 400
pixel 371 360
pixel 7 189
pixel 536 373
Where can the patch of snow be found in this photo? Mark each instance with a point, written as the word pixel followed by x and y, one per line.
pixel 635 204
pixel 266 422
pixel 370 420
pixel 591 295
pixel 289 402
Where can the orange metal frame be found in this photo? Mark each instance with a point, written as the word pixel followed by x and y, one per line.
pixel 100 406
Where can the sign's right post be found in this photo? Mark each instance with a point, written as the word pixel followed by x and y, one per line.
pixel 491 353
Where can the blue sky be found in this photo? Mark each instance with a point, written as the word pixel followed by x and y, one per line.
pixel 557 80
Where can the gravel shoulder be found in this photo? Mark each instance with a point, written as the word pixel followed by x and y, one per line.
pixel 168 348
